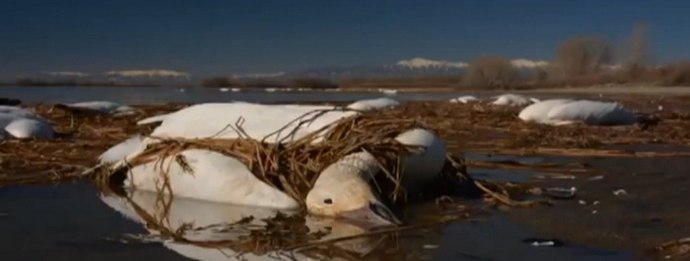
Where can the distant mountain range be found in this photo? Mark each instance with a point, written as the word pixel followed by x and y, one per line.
pixel 115 77
pixel 415 67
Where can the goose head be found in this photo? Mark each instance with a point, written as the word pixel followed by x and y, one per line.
pixel 343 191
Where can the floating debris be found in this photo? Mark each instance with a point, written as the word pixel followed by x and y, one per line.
pixel 561 193
pixel 595 178
pixel 675 249
pixel 620 192
pixel 543 242
pixel 430 246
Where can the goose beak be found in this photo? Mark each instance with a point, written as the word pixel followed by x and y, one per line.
pixel 375 214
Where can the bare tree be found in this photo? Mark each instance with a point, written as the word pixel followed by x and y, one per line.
pixel 638 53
pixel 583 55
pixel 491 71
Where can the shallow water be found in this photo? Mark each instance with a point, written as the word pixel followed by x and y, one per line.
pixel 71 221
pixel 149 95
pixel 154 95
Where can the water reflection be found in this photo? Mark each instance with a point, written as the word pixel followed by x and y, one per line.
pixel 213 231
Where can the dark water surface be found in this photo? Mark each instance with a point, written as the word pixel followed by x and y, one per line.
pixel 70 221
pixel 148 95
pixel 154 95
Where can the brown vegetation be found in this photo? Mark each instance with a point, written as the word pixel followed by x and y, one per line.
pixel 491 72
pixel 582 55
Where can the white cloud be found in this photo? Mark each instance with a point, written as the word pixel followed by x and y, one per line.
pixel 258 75
pixel 149 73
pixel 419 62
pixel 69 74
pixel 525 63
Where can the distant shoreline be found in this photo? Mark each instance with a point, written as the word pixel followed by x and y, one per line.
pixel 615 89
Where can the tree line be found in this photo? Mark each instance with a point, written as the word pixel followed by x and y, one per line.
pixel 581 61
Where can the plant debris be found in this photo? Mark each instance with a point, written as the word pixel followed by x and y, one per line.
pixel 488 129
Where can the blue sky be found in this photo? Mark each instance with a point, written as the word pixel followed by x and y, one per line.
pixel 209 37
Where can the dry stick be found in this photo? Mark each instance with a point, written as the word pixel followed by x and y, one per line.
pixel 672 243
pixel 503 198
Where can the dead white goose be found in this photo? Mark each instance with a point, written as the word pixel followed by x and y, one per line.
pixel 566 111
pixel 538 112
pixel 592 113
pixel 23 124
pixel 464 99
pixel 512 100
pixel 328 196
pixel 373 104
pixel 101 107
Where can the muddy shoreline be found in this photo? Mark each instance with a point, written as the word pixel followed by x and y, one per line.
pixel 647 163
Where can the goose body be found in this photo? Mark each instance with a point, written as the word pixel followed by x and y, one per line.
pixel 215 177
pixel 373 104
pixel 121 150
pixel 464 99
pixel 222 178
pixel 105 107
pixel 25 128
pixel 389 91
pixel 23 124
pixel 566 111
pixel 511 100
pixel 592 113
pixel 538 112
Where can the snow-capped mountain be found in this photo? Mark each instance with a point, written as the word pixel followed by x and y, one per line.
pixel 415 67
pixel 113 77
pixel 423 63
pixel 528 64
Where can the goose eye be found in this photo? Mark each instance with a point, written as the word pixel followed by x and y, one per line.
pixel 328 201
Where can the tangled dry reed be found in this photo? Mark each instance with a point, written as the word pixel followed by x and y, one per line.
pixel 293 166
